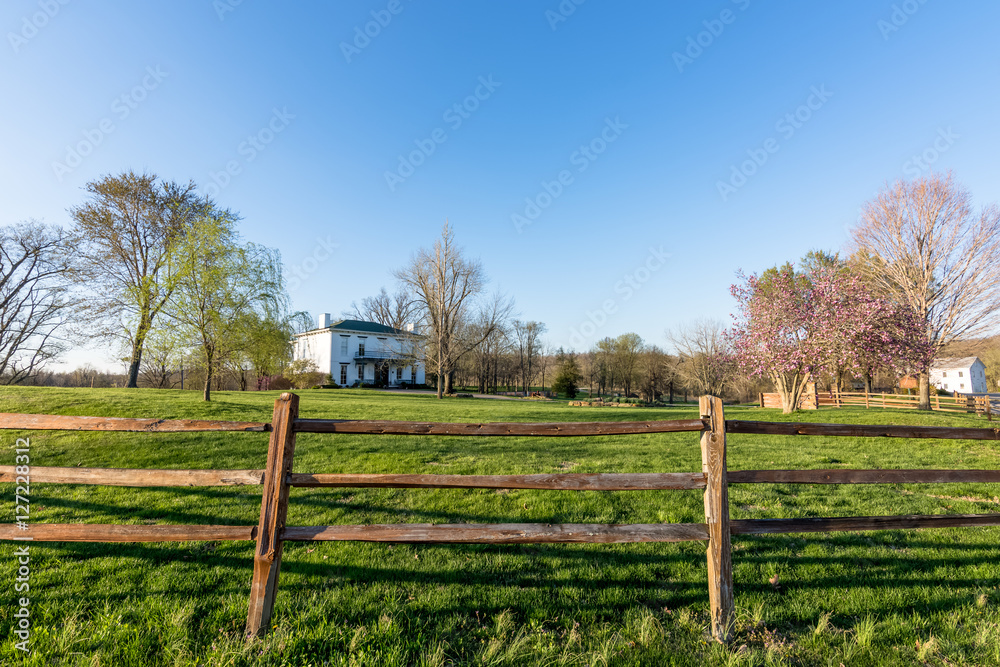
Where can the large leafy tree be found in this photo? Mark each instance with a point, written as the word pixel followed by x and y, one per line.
pixel 127 230
pixel 221 281
pixel 261 340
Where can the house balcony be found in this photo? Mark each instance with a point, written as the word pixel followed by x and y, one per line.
pixel 379 355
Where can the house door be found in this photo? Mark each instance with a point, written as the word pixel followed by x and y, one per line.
pixel 382 378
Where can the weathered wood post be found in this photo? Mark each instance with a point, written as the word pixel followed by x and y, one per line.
pixel 720 565
pixel 273 509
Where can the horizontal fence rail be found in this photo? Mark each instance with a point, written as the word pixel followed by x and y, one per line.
pixel 67 423
pixel 505 533
pixel 132 477
pixel 845 476
pixel 855 523
pixel 557 482
pixel 862 431
pixel 277 479
pixel 109 532
pixel 556 429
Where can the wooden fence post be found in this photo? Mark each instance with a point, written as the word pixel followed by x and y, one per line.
pixel 273 509
pixel 720 566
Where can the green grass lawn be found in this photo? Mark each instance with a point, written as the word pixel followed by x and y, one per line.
pixel 876 598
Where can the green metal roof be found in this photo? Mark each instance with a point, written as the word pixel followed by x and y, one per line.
pixel 368 327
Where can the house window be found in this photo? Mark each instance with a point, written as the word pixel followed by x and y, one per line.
pixel 961 386
pixel 413 373
pixel 343 374
pixel 944 374
pixel 960 374
pixel 399 372
pixel 343 345
pixel 361 349
pixel 361 371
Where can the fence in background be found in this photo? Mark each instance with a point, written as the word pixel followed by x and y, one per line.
pixel 813 400
pixel 277 479
pixel 980 405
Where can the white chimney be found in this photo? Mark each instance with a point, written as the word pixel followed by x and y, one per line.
pixel 323 320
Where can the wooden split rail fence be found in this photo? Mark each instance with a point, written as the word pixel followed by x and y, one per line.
pixel 811 399
pixel 277 479
pixel 981 405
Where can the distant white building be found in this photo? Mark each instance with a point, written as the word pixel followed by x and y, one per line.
pixel 966 375
pixel 353 351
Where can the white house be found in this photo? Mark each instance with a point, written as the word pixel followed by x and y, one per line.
pixel 966 375
pixel 353 351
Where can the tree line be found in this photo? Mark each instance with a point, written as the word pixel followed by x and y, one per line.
pixel 160 271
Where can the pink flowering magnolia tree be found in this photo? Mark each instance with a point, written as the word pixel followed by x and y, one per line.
pixel 793 326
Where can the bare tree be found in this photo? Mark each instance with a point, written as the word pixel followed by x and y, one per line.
pixel 396 310
pixel 702 351
pixel 487 325
pixel 159 360
pixel 528 336
pixel 545 356
pixel 446 286
pixel 488 357
pixel 127 230
pixel 654 375
pixel 34 277
pixel 922 244
pixel 601 365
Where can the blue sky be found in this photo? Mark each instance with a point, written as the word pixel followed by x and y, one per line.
pixel 650 149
